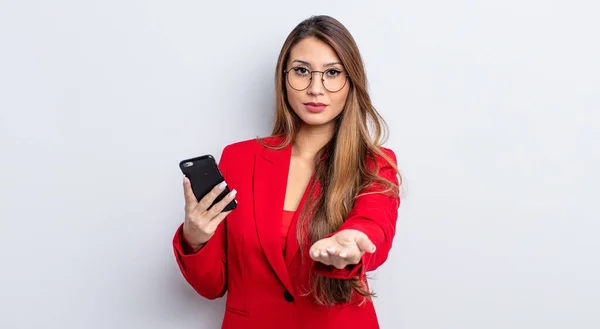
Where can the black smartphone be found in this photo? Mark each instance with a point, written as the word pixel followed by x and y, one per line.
pixel 204 175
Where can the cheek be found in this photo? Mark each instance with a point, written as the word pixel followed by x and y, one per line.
pixel 293 97
pixel 290 94
pixel 339 99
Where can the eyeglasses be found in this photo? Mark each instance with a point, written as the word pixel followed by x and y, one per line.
pixel 300 78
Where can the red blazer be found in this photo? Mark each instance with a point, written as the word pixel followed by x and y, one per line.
pixel 245 257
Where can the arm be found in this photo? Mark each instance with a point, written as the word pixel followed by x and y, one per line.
pixel 374 215
pixel 206 269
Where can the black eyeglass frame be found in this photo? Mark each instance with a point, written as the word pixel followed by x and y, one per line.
pixel 285 72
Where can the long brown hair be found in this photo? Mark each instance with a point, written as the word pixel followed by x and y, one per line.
pixel 341 167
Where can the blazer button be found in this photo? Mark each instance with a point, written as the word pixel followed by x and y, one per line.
pixel 288 297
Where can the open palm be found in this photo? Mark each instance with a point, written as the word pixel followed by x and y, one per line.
pixel 342 249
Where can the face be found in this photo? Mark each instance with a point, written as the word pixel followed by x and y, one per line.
pixel 316 105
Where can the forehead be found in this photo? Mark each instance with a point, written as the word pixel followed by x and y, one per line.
pixel 314 51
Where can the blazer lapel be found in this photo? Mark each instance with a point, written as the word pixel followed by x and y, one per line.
pixel 270 181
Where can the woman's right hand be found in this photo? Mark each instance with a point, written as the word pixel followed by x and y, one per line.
pixel 200 222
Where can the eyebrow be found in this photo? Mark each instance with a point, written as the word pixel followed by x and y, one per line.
pixel 307 63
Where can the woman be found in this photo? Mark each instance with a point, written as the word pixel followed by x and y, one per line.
pixel 317 202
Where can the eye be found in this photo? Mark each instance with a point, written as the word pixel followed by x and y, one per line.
pixel 332 73
pixel 300 70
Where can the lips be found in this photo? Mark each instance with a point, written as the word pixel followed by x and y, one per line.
pixel 315 107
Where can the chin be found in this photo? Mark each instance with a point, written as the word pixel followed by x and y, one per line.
pixel 315 119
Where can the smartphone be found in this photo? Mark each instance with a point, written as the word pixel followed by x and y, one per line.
pixel 204 175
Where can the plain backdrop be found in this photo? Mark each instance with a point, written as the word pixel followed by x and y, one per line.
pixel 493 109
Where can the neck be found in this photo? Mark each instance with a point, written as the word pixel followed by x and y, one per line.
pixel 311 139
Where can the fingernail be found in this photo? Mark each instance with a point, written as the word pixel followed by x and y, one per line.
pixel 232 194
pixel 323 253
pixel 316 254
pixel 222 185
pixel 184 179
pixel 331 250
pixel 343 254
pixel 373 248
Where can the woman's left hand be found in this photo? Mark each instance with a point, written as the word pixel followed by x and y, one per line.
pixel 342 249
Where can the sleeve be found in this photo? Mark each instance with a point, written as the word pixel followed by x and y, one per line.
pixel 374 214
pixel 206 270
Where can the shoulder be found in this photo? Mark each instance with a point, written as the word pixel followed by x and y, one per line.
pixel 252 146
pixel 388 152
pixel 383 158
pixel 384 165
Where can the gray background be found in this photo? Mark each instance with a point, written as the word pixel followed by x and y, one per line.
pixel 493 108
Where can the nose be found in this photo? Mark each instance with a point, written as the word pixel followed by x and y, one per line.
pixel 316 86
